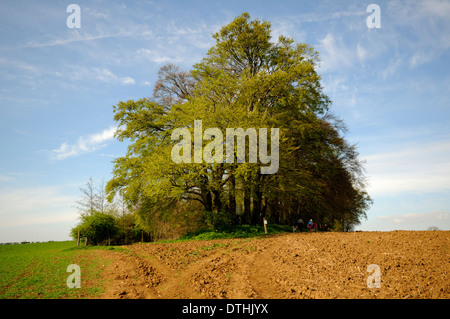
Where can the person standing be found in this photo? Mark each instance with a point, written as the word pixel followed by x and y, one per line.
pixel 294 225
pixel 300 224
pixel 310 224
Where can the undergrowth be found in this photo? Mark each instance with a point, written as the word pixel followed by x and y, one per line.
pixel 236 231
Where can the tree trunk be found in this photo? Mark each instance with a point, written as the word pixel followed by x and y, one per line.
pixel 257 198
pixel 208 201
pixel 216 202
pixel 256 214
pixel 232 195
pixel 247 203
pixel 263 205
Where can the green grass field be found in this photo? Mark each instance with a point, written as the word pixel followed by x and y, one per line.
pixel 38 270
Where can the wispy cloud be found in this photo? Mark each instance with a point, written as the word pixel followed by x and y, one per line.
pixel 421 169
pixel 335 54
pixel 159 56
pixel 100 74
pixel 32 206
pixel 78 37
pixel 128 80
pixel 419 221
pixel 427 28
pixel 85 144
pixel 6 178
pixel 20 65
pixel 361 52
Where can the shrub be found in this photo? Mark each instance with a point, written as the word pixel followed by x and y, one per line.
pixel 97 227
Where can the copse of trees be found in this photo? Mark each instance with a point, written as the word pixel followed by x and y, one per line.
pixel 97 227
pixel 245 81
pixel 105 222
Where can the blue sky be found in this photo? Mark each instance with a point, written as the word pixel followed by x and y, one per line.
pixel 58 85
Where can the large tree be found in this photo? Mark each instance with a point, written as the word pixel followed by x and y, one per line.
pixel 245 81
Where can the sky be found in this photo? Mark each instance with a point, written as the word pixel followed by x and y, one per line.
pixel 386 70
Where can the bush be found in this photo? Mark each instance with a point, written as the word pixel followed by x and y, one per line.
pixel 97 227
pixel 237 231
pixel 219 219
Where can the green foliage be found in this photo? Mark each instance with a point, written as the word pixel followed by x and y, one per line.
pixel 237 231
pixel 104 221
pixel 97 227
pixel 220 218
pixel 246 80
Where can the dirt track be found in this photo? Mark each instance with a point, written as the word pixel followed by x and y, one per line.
pixel 307 265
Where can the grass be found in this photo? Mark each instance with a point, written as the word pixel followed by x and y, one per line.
pixel 38 270
pixel 237 231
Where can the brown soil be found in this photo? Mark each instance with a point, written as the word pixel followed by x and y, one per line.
pixel 412 264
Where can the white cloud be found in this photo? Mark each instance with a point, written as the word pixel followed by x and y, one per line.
pixel 104 75
pixel 334 54
pixel 18 65
pixel 6 178
pixel 84 144
pixel 34 206
pixel 427 26
pixel 100 74
pixel 422 168
pixel 392 68
pixel 420 58
pixel 437 8
pixel 77 37
pixel 418 221
pixel 157 56
pixel 361 52
pixel 128 80
pixel 288 26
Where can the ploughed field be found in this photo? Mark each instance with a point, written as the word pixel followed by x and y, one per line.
pixel 408 264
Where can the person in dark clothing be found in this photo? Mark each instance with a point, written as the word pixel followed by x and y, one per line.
pixel 294 225
pixel 300 224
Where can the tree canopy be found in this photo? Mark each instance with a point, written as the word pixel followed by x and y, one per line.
pixel 246 81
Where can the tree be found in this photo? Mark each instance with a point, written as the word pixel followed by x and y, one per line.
pixel 87 204
pixel 244 81
pixel 100 218
pixel 93 198
pixel 96 227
